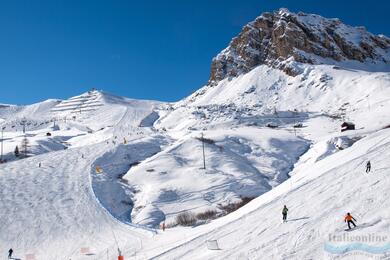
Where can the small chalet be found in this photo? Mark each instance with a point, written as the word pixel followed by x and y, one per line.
pixel 271 125
pixel 347 126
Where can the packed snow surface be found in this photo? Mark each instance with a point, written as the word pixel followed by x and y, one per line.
pixel 103 172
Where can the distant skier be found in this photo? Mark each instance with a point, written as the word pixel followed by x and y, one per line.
pixel 368 167
pixel 39 164
pixel 10 252
pixel 284 213
pixel 349 219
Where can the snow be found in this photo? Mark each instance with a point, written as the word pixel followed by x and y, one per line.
pixel 113 168
pixel 320 89
pixel 108 187
pixel 238 165
pixel 317 198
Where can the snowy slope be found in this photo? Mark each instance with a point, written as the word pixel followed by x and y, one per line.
pixel 104 171
pixel 68 125
pixel 49 200
pixel 318 198
pixel 51 211
pixel 239 164
pixel 89 101
pixel 37 113
pixel 320 89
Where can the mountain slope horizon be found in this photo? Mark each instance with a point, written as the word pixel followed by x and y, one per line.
pixel 276 38
pixel 97 175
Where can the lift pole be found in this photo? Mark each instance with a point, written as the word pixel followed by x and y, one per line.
pixel 204 157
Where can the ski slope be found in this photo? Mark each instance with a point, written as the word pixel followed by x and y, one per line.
pixel 65 209
pixel 102 172
pixel 50 211
pixel 317 199
pixel 50 208
pixel 265 95
pixel 238 165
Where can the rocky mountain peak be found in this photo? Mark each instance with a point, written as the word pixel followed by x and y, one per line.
pixel 274 38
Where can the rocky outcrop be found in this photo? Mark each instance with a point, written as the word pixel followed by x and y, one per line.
pixel 274 38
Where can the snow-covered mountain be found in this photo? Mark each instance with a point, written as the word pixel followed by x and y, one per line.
pixel 317 93
pixel 91 117
pixel 277 38
pixel 103 172
pixel 89 101
pixel 251 79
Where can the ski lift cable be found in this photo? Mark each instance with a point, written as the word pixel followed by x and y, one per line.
pixel 116 241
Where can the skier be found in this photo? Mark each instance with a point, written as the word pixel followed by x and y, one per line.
pixel 284 213
pixel 39 165
pixel 368 167
pixel 10 251
pixel 349 219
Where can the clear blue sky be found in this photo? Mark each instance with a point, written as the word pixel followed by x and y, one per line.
pixel 141 49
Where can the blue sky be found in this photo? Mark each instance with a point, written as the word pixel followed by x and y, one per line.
pixel 141 49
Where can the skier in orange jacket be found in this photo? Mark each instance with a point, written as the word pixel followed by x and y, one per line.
pixel 349 219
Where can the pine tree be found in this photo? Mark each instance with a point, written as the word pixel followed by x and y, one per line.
pixel 17 151
pixel 25 143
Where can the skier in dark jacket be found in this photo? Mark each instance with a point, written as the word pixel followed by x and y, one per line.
pixel 10 251
pixel 368 167
pixel 284 213
pixel 349 219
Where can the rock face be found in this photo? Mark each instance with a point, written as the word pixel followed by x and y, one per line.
pixel 276 37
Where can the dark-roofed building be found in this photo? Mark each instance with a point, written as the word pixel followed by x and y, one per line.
pixel 347 126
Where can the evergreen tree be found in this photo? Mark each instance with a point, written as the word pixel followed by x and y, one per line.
pixel 25 143
pixel 17 151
